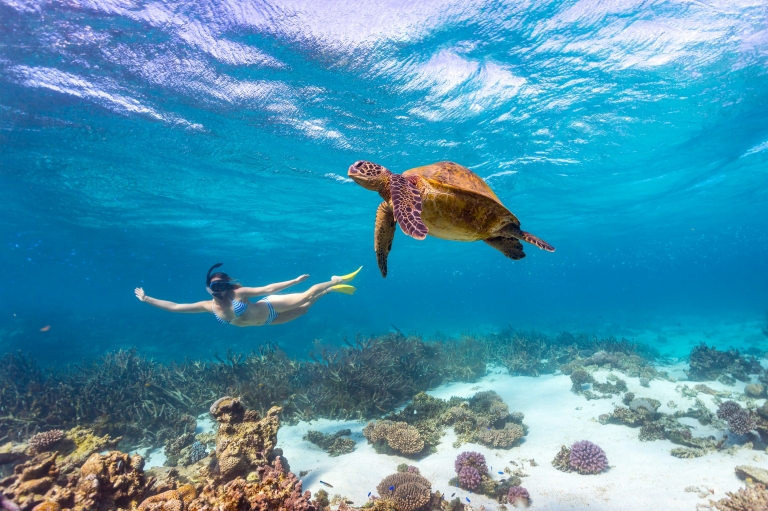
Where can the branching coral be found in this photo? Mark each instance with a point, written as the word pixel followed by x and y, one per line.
pixel 746 499
pixel 518 496
pixel 588 458
pixel 740 421
pixel 710 363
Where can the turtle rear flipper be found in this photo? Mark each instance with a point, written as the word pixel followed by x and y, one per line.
pixel 406 203
pixel 510 247
pixel 383 234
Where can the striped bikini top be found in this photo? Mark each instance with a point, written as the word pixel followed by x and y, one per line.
pixel 239 308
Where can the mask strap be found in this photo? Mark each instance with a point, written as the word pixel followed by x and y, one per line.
pixel 208 277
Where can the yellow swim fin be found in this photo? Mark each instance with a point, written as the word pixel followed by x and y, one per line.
pixel 343 288
pixel 350 276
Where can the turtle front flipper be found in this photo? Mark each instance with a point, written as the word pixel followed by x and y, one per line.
pixel 510 247
pixel 406 204
pixel 383 234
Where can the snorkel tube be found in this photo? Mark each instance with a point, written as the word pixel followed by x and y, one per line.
pixel 208 281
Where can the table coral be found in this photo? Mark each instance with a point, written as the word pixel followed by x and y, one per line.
pixel 398 436
pixel 407 491
pixel 333 444
pixel 501 438
pixel 243 441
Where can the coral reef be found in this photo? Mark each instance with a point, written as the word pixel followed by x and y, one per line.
pixel 746 499
pixel 579 378
pixel 335 444
pixel 518 496
pixel 740 421
pixel 588 458
pixel 397 436
pixel 171 500
pixel 269 487
pixel 115 477
pixel 244 442
pixel 405 490
pixel 471 459
pixel 755 390
pixel 562 460
pixel 472 474
pixel 708 364
pixel 45 441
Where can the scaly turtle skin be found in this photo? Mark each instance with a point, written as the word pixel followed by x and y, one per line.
pixel 444 200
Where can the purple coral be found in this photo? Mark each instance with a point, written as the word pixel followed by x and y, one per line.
pixel 471 459
pixel 518 494
pixel 412 469
pixel 588 458
pixel 740 422
pixel 469 478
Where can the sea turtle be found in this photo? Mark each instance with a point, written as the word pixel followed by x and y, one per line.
pixel 445 200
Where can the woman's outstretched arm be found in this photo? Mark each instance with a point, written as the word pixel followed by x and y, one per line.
pixel 190 308
pixel 248 292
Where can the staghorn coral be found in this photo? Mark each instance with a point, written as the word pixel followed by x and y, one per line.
pixel 407 491
pixel 746 499
pixel 243 441
pixel 171 500
pixel 398 436
pixel 518 495
pixel 42 442
pixel 588 458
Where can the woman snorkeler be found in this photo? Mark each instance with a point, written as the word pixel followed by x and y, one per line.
pixel 231 306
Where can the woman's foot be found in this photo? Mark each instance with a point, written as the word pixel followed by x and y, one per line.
pixel 346 278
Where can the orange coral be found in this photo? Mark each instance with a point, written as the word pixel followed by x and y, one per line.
pixel 274 488
pixel 171 500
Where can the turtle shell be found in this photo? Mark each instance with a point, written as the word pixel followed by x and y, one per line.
pixel 453 175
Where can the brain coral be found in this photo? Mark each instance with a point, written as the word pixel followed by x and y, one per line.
pixel 243 441
pixel 407 491
pixel 588 458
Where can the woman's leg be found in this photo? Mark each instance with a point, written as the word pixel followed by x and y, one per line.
pixel 296 312
pixel 283 303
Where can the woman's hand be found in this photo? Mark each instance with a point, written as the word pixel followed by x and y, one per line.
pixel 302 278
pixel 140 294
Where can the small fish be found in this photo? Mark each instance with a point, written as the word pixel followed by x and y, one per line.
pixel 369 494
pixel 500 472
pixel 45 328
pixel 452 494
pixel 391 488
pixel 467 499
pixel 326 484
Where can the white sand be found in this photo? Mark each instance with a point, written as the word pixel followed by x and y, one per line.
pixel 642 475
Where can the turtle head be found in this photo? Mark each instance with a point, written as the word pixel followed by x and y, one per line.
pixel 369 175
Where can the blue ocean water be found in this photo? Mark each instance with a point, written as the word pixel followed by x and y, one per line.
pixel 143 141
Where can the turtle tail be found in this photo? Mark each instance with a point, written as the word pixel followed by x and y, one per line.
pixel 533 240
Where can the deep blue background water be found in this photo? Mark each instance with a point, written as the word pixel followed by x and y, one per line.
pixel 141 142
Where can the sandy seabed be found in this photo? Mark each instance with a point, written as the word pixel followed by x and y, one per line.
pixel 642 475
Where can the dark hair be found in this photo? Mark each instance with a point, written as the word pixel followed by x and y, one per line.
pixel 220 275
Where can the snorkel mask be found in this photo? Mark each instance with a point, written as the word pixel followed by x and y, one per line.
pixel 219 288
